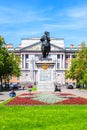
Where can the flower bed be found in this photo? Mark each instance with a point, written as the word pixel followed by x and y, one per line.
pixel 47 99
pixel 77 100
pixel 24 101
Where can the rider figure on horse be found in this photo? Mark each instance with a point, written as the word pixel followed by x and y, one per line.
pixel 45 47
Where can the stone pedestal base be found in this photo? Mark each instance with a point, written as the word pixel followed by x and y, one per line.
pixel 48 86
pixel 45 75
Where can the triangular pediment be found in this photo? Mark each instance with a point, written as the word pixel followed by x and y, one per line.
pixel 37 47
pixel 56 48
pixel 33 47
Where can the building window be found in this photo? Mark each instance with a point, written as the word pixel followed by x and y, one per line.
pixel 58 56
pixel 26 65
pixel 67 56
pixel 22 61
pixel 58 65
pixel 66 65
pixel 26 56
pixel 73 56
pixel 62 57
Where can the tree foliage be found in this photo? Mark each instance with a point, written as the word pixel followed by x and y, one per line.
pixel 78 69
pixel 9 63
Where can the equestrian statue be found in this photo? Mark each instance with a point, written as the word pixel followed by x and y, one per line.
pixel 45 47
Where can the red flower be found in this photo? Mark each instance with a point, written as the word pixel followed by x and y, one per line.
pixel 24 101
pixel 77 100
pixel 26 94
pixel 27 99
pixel 66 94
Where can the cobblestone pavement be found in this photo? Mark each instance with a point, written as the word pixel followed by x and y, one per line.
pixel 82 93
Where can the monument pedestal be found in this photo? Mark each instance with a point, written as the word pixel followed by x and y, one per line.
pixel 45 72
pixel 45 87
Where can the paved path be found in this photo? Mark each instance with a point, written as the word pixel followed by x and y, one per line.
pixel 82 93
pixel 5 95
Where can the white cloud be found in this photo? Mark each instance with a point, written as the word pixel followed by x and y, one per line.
pixel 77 12
pixel 67 26
pixel 30 22
pixel 13 16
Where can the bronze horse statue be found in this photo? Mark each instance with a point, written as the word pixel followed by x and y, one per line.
pixel 45 47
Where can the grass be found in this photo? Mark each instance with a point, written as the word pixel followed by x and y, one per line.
pixel 43 117
pixel 83 88
pixel 32 89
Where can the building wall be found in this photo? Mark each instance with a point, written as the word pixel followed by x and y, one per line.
pixel 30 55
pixel 14 79
pixel 29 70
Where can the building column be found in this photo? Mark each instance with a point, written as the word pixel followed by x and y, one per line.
pixel 21 65
pixel 63 61
pixel 60 61
pixel 24 61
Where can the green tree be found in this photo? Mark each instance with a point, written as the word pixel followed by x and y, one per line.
pixel 78 69
pixel 2 43
pixel 9 63
pixel 11 66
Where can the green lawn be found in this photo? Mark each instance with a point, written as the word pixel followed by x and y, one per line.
pixel 43 117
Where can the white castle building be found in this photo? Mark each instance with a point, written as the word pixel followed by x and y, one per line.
pixel 32 69
pixel 30 55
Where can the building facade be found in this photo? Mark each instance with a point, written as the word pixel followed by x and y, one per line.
pixel 30 52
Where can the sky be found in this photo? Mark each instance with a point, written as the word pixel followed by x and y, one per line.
pixel 31 18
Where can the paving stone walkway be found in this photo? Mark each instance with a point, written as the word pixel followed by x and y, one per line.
pixel 82 93
pixel 5 95
pixel 77 92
